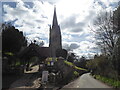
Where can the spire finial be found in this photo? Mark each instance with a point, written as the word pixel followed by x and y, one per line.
pixel 55 17
pixel 54 7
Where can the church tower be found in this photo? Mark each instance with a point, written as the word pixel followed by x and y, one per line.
pixel 54 36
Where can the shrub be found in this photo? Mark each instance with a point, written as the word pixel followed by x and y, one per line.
pixel 75 73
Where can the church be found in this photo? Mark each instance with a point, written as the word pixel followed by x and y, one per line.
pixel 55 43
pixel 54 36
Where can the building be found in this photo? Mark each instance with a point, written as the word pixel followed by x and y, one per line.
pixel 55 43
pixel 54 36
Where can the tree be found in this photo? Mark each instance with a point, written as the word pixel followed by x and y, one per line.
pixel 107 30
pixel 116 55
pixel 105 33
pixel 71 57
pixel 116 20
pixel 61 53
pixel 82 62
pixel 12 39
pixel 99 65
pixel 38 43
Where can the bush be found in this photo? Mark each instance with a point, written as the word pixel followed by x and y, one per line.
pixel 75 73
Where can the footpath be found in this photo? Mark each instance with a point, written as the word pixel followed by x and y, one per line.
pixel 31 79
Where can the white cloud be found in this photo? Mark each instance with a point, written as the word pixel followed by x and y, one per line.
pixel 90 38
pixel 32 21
pixel 87 49
pixel 74 16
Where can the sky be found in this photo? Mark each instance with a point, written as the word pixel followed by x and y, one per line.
pixel 33 17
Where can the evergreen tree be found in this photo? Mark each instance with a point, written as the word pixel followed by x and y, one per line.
pixel 12 39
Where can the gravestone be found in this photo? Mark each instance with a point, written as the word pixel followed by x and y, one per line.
pixel 44 77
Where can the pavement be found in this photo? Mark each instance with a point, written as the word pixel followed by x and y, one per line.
pixel 86 81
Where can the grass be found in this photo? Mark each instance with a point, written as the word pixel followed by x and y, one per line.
pixel 17 64
pixel 51 59
pixel 68 63
pixel 80 68
pixel 75 67
pixel 109 81
pixel 9 53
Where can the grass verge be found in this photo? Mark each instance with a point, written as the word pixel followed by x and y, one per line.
pixel 75 67
pixel 109 81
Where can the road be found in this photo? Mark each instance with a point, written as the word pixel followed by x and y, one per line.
pixel 86 81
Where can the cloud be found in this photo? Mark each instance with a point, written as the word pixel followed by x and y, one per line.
pixel 74 17
pixel 27 20
pixel 70 24
pixel 87 49
pixel 70 46
pixel 65 45
pixel 74 46
pixel 51 1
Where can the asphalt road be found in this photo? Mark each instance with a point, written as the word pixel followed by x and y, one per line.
pixel 86 81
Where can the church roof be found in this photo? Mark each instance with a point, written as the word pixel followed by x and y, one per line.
pixel 37 50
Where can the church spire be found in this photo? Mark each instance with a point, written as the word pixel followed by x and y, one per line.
pixel 54 18
pixel 55 36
